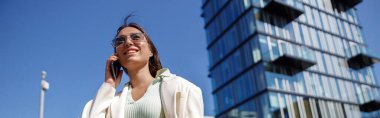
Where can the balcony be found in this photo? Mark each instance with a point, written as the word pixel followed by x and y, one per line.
pixel 370 106
pixel 361 60
pixel 369 99
pixel 289 9
pixel 290 62
pixel 293 61
pixel 360 57
pixel 350 3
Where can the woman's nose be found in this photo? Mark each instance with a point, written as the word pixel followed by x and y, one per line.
pixel 128 42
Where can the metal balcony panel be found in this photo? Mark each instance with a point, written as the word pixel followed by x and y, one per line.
pixel 362 60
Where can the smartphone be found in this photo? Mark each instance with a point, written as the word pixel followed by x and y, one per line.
pixel 115 68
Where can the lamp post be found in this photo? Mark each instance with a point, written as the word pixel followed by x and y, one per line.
pixel 44 87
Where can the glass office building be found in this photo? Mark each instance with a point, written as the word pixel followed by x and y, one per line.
pixel 289 58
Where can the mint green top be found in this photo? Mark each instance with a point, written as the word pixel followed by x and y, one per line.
pixel 148 106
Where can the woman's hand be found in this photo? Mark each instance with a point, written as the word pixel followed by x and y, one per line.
pixel 108 76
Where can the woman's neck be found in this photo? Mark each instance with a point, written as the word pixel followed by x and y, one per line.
pixel 140 77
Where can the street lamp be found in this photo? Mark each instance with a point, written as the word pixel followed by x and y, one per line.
pixel 44 87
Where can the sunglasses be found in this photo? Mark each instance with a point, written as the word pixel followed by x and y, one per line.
pixel 135 37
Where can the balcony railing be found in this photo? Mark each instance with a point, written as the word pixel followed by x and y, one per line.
pixel 370 106
pixel 296 62
pixel 350 3
pixel 360 58
pixel 289 9
pixel 370 100
pixel 293 61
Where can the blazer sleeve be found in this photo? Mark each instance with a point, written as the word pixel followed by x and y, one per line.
pixel 97 108
pixel 194 107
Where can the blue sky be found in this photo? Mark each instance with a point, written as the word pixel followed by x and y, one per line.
pixel 70 39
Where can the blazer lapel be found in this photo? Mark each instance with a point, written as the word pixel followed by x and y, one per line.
pixel 118 108
pixel 168 98
pixel 168 88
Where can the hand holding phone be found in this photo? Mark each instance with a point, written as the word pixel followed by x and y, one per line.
pixel 115 68
pixel 113 72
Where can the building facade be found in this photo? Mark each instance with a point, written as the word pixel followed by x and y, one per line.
pixel 289 58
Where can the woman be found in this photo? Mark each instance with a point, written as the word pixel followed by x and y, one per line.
pixel 152 91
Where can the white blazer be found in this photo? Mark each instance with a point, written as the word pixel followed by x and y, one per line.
pixel 179 97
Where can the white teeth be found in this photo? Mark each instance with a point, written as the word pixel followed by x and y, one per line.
pixel 132 51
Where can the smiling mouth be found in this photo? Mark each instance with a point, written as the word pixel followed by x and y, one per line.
pixel 130 52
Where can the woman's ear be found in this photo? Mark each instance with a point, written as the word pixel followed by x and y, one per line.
pixel 151 54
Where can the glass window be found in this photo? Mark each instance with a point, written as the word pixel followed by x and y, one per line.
pixel 264 47
pixel 348 30
pixel 314 83
pixel 321 5
pixel 246 55
pixel 314 38
pixel 332 22
pixel 323 109
pixel 247 4
pixel 342 89
pixel 335 65
pixel 328 6
pixel 326 86
pixel 344 67
pixel 309 84
pixel 317 18
pixel 301 85
pixel 313 3
pixel 255 50
pixel 359 93
pixel 328 64
pixel 275 108
pixel 289 105
pixel 274 48
pixel 302 18
pixel 263 101
pixel 356 33
pixel 297 34
pixel 291 49
pixel 330 43
pixel 314 107
pixel 322 40
pixel 351 95
pixel 346 48
pixel 355 16
pixel 334 85
pixel 320 64
pixel 333 110
pixel 349 16
pixel 318 84
pixel 339 46
pixel 308 14
pixel 306 1
pixel 252 82
pixel 306 37
pixel 256 2
pixel 295 106
pixel 326 25
pixel 341 28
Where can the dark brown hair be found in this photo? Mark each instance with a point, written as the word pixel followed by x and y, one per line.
pixel 154 61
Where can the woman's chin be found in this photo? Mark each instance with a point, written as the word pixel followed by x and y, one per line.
pixel 132 56
pixel 132 59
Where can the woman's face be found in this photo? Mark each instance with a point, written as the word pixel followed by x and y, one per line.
pixel 135 49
